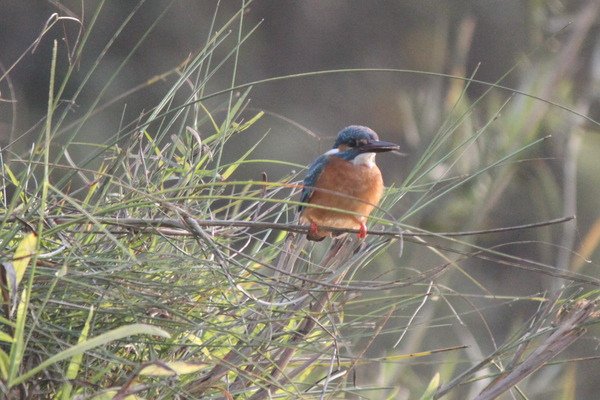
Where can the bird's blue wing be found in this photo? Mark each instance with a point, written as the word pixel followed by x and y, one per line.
pixel 314 171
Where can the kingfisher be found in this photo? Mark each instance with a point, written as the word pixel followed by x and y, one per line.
pixel 347 178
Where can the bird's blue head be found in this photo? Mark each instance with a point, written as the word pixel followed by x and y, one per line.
pixel 355 140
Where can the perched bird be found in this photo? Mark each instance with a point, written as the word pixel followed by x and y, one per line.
pixel 347 178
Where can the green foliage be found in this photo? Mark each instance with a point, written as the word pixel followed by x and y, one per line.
pixel 157 270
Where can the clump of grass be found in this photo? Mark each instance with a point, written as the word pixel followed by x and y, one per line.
pixel 146 268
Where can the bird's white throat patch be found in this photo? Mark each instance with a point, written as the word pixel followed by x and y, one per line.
pixel 366 159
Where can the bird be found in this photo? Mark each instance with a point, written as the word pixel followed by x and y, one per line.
pixel 346 178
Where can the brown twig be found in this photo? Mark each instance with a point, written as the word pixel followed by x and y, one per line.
pixel 176 227
pixel 567 332
pixel 568 329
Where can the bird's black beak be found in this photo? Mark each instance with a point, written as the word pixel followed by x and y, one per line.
pixel 378 146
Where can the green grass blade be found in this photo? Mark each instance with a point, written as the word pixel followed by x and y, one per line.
pixel 74 365
pixel 100 340
pixel 18 346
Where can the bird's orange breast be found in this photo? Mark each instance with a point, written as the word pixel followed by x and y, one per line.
pixel 356 188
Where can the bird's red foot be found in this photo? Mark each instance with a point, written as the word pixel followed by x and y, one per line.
pixel 362 231
pixel 313 231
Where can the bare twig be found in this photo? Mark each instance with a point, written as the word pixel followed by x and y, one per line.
pixel 567 332
pixel 176 227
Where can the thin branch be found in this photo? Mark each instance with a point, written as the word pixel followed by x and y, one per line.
pixel 176 227
pixel 569 330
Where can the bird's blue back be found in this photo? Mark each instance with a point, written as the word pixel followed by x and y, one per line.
pixel 314 171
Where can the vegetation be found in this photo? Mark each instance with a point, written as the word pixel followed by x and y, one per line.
pixel 148 266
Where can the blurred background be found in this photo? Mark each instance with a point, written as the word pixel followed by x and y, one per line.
pixel 547 49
